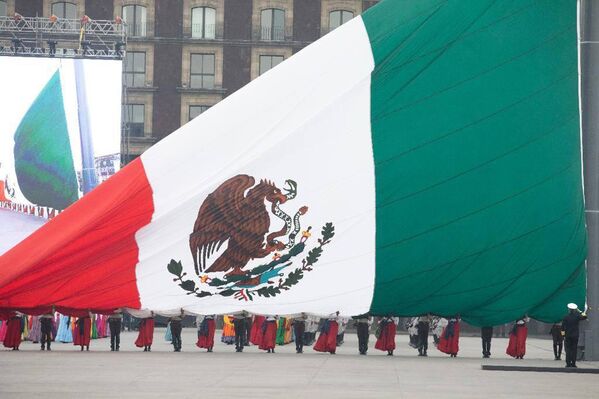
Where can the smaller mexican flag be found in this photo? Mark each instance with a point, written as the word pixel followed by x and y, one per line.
pixel 423 157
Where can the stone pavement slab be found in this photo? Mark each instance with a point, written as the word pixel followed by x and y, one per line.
pixel 131 373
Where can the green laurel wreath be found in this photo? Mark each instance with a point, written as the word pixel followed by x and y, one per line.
pixel 327 233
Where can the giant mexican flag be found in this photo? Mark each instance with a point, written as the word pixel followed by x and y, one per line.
pixel 424 157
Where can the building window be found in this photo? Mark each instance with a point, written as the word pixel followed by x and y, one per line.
pixel 338 18
pixel 3 8
pixel 202 71
pixel 269 61
pixel 203 22
pixel 133 119
pixel 195 110
pixel 135 69
pixel 272 24
pixel 135 17
pixel 64 10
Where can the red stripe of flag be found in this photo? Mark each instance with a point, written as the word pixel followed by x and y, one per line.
pixel 84 258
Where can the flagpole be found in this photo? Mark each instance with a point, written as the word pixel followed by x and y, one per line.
pixel 589 84
pixel 87 148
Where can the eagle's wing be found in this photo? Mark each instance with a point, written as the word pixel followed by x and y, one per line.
pixel 224 202
pixel 218 215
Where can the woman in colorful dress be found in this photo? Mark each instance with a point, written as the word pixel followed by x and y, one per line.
pixel 256 330
pixel 228 336
pixel 386 337
pixel 35 330
pixel 311 329
pixel 3 326
pixel 327 341
pixel 83 330
pixel 281 331
pixel 516 347
pixel 206 333
pixel 12 339
pixel 146 333
pixel 341 331
pixel 64 334
pixel 450 338
pixel 269 334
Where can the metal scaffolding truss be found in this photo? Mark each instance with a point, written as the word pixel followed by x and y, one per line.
pixel 32 35
pixel 61 53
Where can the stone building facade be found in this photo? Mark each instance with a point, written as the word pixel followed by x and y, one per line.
pixel 184 56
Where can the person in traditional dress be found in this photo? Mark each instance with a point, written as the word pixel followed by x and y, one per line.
pixel 176 328
pixel 256 331
pixel 437 326
pixel 94 333
pixel 341 331
pixel 571 332
pixel 558 340
pixel 239 324
pixel 46 321
pixel 146 333
pixel 363 330
pixel 228 335
pixel 83 330
pixel 198 323
pixel 386 337
pixel 168 335
pixel 486 334
pixel 206 333
pixel 450 337
pixel 269 334
pixel 281 330
pixel 412 328
pixel 35 329
pixel 3 327
pixel 423 327
pixel 12 339
pixel 24 327
pixel 115 321
pixel 327 340
pixel 64 333
pixel 517 344
pixel 311 328
pixel 299 327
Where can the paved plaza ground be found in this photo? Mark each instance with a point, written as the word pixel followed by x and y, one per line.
pixel 67 373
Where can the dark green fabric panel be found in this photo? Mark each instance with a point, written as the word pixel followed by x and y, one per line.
pixel 475 130
pixel 42 151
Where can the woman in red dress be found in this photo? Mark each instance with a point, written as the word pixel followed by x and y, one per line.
pixel 517 344
pixel 146 333
pixel 256 331
pixel 386 339
pixel 206 333
pixel 450 338
pixel 82 332
pixel 12 339
pixel 269 335
pixel 327 340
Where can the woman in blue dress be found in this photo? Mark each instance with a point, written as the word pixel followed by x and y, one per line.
pixel 64 333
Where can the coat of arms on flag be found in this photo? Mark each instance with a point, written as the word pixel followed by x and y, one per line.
pixel 233 228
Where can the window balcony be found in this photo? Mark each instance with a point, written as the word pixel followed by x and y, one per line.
pixel 273 34
pixel 206 32
pixel 185 88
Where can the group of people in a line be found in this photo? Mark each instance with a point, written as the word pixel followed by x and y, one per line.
pixel 567 330
pixel 263 333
